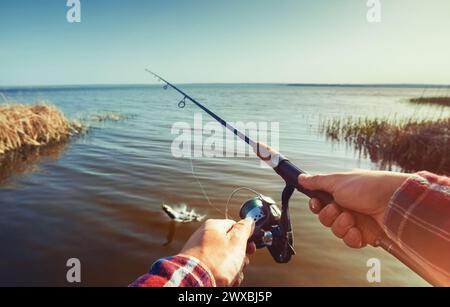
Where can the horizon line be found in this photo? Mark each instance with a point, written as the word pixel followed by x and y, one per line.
pixel 93 85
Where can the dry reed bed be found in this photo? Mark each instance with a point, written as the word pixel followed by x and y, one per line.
pixel 440 100
pixel 410 143
pixel 23 126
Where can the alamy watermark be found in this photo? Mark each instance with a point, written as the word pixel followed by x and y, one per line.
pixel 373 15
pixel 74 12
pixel 374 273
pixel 73 274
pixel 212 140
pixel 374 11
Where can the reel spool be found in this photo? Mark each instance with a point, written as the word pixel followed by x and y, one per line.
pixel 266 215
pixel 272 225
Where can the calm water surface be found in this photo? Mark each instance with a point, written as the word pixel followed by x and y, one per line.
pixel 98 198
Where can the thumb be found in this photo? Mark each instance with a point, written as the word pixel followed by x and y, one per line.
pixel 242 230
pixel 324 183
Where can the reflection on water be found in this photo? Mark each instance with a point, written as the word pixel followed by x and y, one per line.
pixel 27 159
pixel 171 232
pixel 99 199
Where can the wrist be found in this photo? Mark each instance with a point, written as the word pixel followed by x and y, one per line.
pixel 392 185
pixel 210 266
pixel 201 264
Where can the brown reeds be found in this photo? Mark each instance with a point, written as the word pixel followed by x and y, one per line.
pixel 411 144
pixel 34 125
pixel 439 100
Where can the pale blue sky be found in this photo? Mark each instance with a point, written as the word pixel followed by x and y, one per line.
pixel 232 41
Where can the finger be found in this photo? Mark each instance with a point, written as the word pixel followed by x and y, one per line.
pixel 315 206
pixel 329 214
pixel 239 279
pixel 242 230
pixel 319 182
pixel 369 228
pixel 353 238
pixel 342 224
pixel 251 248
pixel 221 225
pixel 246 261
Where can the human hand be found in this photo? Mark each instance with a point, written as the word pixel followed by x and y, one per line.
pixel 360 202
pixel 222 246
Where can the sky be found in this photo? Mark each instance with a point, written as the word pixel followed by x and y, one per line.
pixel 224 41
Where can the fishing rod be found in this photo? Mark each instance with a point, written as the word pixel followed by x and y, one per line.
pixel 273 228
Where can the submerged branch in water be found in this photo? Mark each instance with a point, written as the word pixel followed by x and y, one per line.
pixel 411 144
pixel 107 116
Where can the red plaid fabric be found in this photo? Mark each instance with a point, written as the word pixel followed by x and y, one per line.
pixel 418 220
pixel 177 271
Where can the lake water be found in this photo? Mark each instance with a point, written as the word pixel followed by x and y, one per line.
pixel 98 198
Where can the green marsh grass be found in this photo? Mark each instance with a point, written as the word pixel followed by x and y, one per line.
pixel 411 144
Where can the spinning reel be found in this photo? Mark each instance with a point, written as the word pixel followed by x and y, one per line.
pixel 272 226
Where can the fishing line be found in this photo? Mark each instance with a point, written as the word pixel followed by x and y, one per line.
pixel 235 192
pixel 204 191
pixel 182 105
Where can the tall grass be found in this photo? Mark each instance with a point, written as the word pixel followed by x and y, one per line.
pixel 412 144
pixel 439 100
pixel 34 125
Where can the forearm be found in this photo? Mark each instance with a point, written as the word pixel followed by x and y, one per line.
pixel 418 220
pixel 177 271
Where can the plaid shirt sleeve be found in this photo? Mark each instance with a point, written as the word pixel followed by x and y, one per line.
pixel 418 220
pixel 176 271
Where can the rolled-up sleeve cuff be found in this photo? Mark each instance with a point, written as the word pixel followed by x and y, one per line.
pixel 418 220
pixel 401 204
pixel 177 271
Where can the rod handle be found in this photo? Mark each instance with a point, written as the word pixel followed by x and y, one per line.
pixel 289 172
